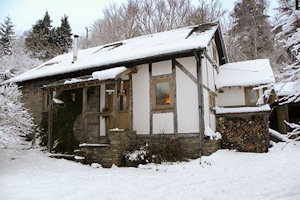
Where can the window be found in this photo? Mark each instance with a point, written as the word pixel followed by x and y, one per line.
pixel 212 101
pixel 162 93
pixel 251 96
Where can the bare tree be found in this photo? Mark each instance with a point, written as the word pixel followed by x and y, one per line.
pixel 134 18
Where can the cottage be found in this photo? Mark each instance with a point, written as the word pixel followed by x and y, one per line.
pixel 101 100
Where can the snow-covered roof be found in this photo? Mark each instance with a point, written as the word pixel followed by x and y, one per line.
pixel 263 108
pixel 138 48
pixel 107 74
pixel 246 73
pixel 285 89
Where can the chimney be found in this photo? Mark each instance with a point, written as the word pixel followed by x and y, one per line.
pixel 75 48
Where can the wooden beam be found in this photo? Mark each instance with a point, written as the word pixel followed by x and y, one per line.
pixel 76 85
pixel 115 106
pixel 50 124
pixel 184 70
pixel 84 104
pixel 200 100
pixel 211 61
pixel 130 103
pixel 125 73
pixel 151 102
pixel 175 118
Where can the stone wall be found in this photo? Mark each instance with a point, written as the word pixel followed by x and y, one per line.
pixel 87 130
pixel 189 143
pixel 120 141
pixel 109 154
pixel 244 132
pixel 33 99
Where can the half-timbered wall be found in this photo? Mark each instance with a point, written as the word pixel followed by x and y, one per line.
pixel 209 74
pixel 187 97
pixel 147 120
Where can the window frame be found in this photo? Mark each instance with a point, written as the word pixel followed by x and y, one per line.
pixel 163 79
pixel 212 101
pixel 247 100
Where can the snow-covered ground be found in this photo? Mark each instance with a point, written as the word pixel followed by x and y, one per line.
pixel 30 174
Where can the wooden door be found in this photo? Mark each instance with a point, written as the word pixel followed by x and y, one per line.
pixel 123 116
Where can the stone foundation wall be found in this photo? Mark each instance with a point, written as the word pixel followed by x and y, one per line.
pixel 120 141
pixel 189 142
pixel 244 132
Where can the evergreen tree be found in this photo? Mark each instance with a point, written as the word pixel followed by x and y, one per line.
pixel 63 35
pixel 40 39
pixel 7 36
pixel 251 31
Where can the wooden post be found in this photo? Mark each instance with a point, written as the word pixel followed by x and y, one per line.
pixel 151 102
pixel 115 106
pixel 130 102
pixel 198 56
pixel 84 104
pixel 175 118
pixel 50 128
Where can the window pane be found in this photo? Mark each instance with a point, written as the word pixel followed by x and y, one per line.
pixel 253 96
pixel 163 93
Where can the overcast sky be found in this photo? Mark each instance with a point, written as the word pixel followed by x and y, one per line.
pixel 82 13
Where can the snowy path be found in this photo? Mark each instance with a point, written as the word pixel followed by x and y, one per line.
pixel 225 175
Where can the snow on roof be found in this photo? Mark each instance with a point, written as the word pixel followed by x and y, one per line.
pixel 98 75
pixel 246 73
pixel 108 73
pixel 264 108
pixel 182 39
pixel 285 89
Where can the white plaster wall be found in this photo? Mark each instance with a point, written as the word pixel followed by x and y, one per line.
pixel 161 68
pixel 233 96
pixel 212 121
pixel 187 97
pixel 163 123
pixel 206 108
pixel 141 100
pixel 211 78
pixel 204 66
pixel 102 105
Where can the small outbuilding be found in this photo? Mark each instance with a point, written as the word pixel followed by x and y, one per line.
pixel 242 111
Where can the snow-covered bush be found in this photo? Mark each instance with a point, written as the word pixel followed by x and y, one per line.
pixel 15 121
pixel 135 157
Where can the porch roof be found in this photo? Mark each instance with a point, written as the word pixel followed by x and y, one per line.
pixel 97 78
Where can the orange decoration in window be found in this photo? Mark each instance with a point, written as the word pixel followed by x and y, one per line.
pixel 168 100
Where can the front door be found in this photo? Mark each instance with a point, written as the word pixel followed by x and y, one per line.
pixel 123 115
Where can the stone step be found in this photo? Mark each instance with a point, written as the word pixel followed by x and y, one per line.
pixel 64 156
pixel 78 152
pixel 79 159
pixel 94 145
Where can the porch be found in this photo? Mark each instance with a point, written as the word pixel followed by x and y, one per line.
pixel 85 109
